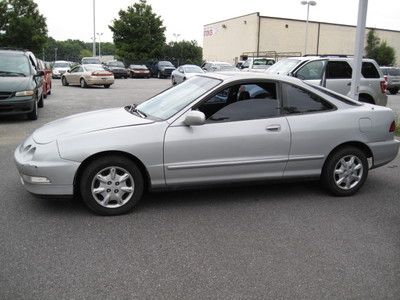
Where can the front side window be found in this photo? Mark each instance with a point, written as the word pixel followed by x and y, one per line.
pixel 284 66
pixel 300 101
pixel 242 102
pixel 338 70
pixel 312 70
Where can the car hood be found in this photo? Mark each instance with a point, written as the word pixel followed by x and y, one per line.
pixel 14 84
pixel 167 68
pixel 87 122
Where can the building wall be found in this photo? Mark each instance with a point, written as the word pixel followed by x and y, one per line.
pixel 226 44
pixel 283 35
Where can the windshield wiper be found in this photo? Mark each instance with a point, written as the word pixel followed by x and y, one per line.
pixel 132 108
pixel 11 73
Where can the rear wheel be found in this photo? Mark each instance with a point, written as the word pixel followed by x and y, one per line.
pixel 111 185
pixel 107 86
pixel 393 91
pixel 366 99
pixel 41 102
pixel 83 83
pixel 345 171
pixel 64 81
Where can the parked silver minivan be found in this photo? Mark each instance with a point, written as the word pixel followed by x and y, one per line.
pixel 334 73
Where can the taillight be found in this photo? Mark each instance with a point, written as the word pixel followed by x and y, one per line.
pixel 392 127
pixel 385 77
pixel 383 86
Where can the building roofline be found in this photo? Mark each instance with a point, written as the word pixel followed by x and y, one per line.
pixel 255 13
pixel 298 20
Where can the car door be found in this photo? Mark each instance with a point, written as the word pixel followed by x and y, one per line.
pixel 71 75
pixel 244 137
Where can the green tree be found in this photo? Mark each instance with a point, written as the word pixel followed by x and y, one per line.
pixel 379 50
pixel 22 25
pixel 138 33
pixel 184 52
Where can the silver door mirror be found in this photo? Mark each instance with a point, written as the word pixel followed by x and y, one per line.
pixel 195 117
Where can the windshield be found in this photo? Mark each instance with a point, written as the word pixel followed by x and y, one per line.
pixel 225 67
pixel 90 61
pixel 171 101
pixel 14 65
pixel 263 62
pixel 60 65
pixel 165 64
pixel 94 68
pixel 283 66
pixel 117 64
pixel 394 72
pixel 193 69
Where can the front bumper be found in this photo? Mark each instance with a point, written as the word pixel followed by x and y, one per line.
pixel 384 152
pixel 14 105
pixel 42 170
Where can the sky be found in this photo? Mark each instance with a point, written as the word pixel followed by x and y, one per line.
pixel 73 19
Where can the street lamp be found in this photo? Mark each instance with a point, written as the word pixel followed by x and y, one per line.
pixel 99 34
pixel 308 3
pixel 94 28
pixel 176 36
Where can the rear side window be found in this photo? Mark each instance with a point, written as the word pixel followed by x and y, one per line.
pixel 300 101
pixel 338 70
pixel 368 70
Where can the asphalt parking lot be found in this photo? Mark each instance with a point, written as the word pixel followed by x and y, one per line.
pixel 287 240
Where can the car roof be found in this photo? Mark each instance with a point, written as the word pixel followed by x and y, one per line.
pixel 13 51
pixel 337 58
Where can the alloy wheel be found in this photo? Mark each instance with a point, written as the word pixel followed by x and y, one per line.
pixel 348 172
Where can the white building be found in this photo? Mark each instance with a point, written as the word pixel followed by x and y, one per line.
pixel 229 40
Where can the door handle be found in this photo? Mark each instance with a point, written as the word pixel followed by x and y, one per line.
pixel 349 84
pixel 273 128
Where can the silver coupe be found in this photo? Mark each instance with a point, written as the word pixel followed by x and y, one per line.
pixel 213 128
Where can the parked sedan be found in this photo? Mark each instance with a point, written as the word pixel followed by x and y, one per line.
pixel 138 71
pixel 185 72
pixel 117 68
pixel 209 129
pixel 87 75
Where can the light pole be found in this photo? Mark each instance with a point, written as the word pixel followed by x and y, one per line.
pixel 99 34
pixel 94 28
pixel 176 36
pixel 308 3
pixel 55 54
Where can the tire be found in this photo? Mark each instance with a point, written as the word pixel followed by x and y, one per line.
pixel 338 166
pixel 83 83
pixel 107 86
pixel 41 102
pixel 173 80
pixel 45 95
pixel 111 187
pixel 393 91
pixel 64 81
pixel 33 115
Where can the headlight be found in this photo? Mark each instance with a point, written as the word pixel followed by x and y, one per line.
pixel 24 93
pixel 56 72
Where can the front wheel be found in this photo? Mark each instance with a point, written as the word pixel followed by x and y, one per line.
pixel 111 185
pixel 107 86
pixel 345 171
pixel 83 83
pixel 41 101
pixel 64 81
pixel 33 115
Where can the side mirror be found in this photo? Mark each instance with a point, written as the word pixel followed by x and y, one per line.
pixel 39 73
pixel 195 117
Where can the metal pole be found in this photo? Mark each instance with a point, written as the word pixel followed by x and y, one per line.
pixel 305 42
pixel 55 54
pixel 99 45
pixel 94 28
pixel 358 48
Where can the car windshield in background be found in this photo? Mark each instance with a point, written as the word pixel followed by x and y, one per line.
pixel 138 67
pixel 393 72
pixel 14 65
pixel 283 66
pixel 61 65
pixel 171 101
pixel 165 64
pixel 193 69
pixel 225 67
pixel 94 68
pixel 88 61
pixel 117 64
pixel 263 62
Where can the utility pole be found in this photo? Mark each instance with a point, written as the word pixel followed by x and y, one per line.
pixel 99 34
pixel 55 54
pixel 308 3
pixel 358 48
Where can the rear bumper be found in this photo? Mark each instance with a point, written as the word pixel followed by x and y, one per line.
pixel 99 81
pixel 384 152
pixel 15 107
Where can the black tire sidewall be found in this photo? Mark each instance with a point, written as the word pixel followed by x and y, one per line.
pixel 94 167
pixel 327 176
